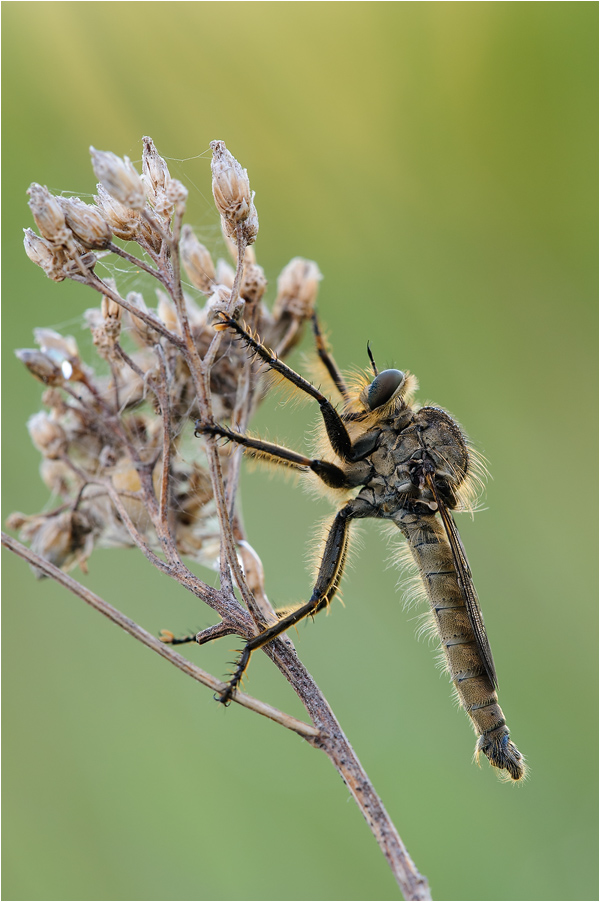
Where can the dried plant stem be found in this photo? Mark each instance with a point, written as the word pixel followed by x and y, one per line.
pixel 146 638
pixel 326 734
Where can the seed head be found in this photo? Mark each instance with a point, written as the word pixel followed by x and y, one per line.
pixel 123 221
pixel 64 539
pixel 40 366
pixel 231 190
pixel 62 351
pixel 42 253
pixel 166 311
pixel 57 476
pixel 47 435
pixel 112 314
pixel 87 223
pixel 254 283
pixel 155 174
pixel 48 214
pixel 119 178
pixel 297 288
pixel 197 261
pixel 219 302
pixel 225 274
pixel 141 330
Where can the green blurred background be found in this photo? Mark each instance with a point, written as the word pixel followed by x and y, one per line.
pixel 437 160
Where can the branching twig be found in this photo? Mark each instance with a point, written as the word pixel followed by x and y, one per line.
pixel 146 638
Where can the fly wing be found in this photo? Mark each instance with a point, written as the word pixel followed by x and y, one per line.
pixel 465 581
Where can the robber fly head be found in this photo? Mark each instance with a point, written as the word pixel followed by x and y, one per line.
pixel 387 392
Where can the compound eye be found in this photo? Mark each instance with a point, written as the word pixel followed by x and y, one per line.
pixel 383 387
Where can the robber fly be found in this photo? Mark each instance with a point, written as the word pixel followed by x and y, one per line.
pixel 411 466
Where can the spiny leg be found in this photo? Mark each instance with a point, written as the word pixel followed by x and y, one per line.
pixel 330 474
pixel 328 579
pixel 336 430
pixel 327 359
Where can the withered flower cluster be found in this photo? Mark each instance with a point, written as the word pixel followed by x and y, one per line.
pixel 115 434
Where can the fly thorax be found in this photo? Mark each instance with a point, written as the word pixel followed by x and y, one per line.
pixel 445 444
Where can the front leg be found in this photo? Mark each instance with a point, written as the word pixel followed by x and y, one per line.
pixel 336 430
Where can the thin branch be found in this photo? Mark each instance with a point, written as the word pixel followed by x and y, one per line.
pixel 326 734
pixel 140 264
pixel 146 638
pixel 98 285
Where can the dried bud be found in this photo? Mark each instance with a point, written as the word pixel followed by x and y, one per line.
pixel 230 184
pixel 297 288
pixel 218 303
pixel 250 228
pixel 225 274
pixel 43 254
pixel 123 221
pixel 149 236
pixel 155 173
pixel 48 214
pixel 16 520
pixel 56 345
pixel 254 283
pixel 195 314
pixel 141 330
pixel 166 311
pixel 63 540
pixel 57 476
pixel 112 314
pixel 177 193
pixel 196 260
pixel 47 435
pixel 119 178
pixel 63 351
pixel 41 366
pixel 87 223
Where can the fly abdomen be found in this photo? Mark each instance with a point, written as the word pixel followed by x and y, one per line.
pixel 432 554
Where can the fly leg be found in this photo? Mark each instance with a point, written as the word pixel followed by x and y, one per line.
pixel 330 474
pixel 327 359
pixel 328 579
pixel 336 430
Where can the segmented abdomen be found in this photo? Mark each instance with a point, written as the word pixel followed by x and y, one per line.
pixel 432 554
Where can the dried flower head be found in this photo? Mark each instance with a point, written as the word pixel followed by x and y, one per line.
pixel 197 261
pixel 119 178
pixel 47 435
pixel 254 283
pixel 144 333
pixel 155 175
pixel 43 253
pixel 298 286
pixel 123 221
pixel 231 186
pixel 103 425
pixel 225 274
pixel 65 539
pixel 41 366
pixel 233 198
pixel 63 351
pixel 220 302
pixel 48 214
pixel 87 223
